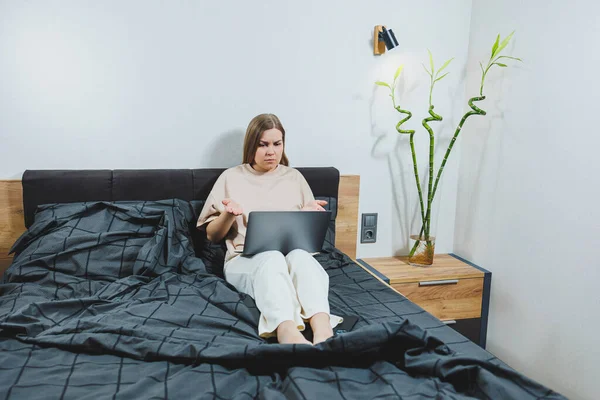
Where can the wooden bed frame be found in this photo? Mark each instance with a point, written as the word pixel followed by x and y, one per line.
pixel 12 223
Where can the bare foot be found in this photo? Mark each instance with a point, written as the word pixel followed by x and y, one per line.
pixel 321 327
pixel 288 333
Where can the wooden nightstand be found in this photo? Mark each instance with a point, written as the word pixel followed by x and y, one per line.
pixel 452 289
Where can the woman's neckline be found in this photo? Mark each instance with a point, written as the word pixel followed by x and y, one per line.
pixel 274 172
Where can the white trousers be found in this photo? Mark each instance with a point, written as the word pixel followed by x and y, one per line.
pixel 293 287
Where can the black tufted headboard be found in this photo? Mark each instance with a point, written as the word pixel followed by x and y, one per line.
pixel 68 186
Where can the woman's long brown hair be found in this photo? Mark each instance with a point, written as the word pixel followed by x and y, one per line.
pixel 256 127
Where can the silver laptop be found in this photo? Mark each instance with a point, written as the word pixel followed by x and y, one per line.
pixel 285 231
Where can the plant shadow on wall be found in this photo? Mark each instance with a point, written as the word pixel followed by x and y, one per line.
pixel 390 147
pixel 422 251
pixel 488 145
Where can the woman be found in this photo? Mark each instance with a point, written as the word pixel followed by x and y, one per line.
pixel 288 290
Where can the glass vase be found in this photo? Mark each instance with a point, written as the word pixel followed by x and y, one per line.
pixel 423 255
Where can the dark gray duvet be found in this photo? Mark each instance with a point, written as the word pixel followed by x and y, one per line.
pixel 107 300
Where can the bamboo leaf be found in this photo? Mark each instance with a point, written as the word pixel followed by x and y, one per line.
pixel 500 65
pixel 398 71
pixel 495 46
pixel 431 61
pixel 512 58
pixel 383 84
pixel 441 76
pixel 505 42
pixel 426 70
pixel 445 65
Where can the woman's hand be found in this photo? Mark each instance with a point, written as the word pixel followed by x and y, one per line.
pixel 231 207
pixel 218 228
pixel 314 205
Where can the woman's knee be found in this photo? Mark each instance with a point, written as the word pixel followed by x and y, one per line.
pixel 273 261
pixel 301 260
pixel 298 256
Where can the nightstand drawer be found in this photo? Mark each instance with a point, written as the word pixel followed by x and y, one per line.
pixel 446 299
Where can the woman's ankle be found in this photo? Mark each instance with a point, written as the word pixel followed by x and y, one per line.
pixel 320 320
pixel 286 326
pixel 288 333
pixel 321 326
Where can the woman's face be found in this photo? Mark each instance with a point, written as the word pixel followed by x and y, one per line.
pixel 270 150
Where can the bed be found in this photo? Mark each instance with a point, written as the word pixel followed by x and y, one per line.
pixel 112 293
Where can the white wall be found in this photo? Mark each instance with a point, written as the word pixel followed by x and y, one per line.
pixel 528 189
pixel 154 84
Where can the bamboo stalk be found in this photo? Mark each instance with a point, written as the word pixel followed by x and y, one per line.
pixel 433 117
pixel 474 111
pixel 411 132
pixel 416 170
pixel 409 116
pixel 426 226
